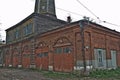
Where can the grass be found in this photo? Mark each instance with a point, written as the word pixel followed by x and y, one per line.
pixel 99 74
pixel 55 75
pixel 113 73
pixel 58 75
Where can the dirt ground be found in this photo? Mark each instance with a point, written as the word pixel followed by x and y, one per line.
pixel 22 74
pixel 19 74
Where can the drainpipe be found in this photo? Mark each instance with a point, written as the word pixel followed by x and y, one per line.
pixel 81 24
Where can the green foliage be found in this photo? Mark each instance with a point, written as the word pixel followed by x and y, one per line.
pixel 59 75
pixel 113 73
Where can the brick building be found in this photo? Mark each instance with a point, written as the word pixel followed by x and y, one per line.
pixel 45 42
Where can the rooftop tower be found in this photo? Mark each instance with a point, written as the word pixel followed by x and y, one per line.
pixel 45 7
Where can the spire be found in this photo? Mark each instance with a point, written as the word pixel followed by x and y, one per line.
pixel 46 7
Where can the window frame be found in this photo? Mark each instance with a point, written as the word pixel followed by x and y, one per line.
pixel 58 50
pixel 28 29
pixel 67 50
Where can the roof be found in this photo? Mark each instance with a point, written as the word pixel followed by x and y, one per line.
pixel 93 23
pixel 58 20
pixel 101 26
pixel 33 15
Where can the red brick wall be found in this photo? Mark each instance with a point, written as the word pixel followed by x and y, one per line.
pixel 62 62
pixel 102 38
pixel 95 37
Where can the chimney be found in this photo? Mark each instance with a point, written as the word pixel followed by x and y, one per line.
pixel 69 19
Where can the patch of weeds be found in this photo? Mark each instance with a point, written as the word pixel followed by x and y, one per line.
pixel 59 75
pixel 113 73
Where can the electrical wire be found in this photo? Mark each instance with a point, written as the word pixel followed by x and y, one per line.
pixel 96 15
pixel 87 9
pixel 70 12
pixel 111 23
pixel 90 12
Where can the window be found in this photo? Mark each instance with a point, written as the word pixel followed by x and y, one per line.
pixel 58 50
pixel 100 58
pixel 67 50
pixel 40 55
pixel 28 29
pixel 16 34
pixel 30 26
pixel 113 59
pixel 10 36
pixel 25 30
pixel 44 54
pixel 26 55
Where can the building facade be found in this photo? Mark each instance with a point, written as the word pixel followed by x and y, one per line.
pixel 42 41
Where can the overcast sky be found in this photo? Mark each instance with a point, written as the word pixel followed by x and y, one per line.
pixel 13 11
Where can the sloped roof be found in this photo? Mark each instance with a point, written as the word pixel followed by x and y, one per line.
pixel 89 22
pixel 101 26
pixel 31 16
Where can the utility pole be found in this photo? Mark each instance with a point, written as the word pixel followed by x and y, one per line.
pixel 83 46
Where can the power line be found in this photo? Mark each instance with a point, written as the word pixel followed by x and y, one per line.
pixel 92 18
pixel 96 15
pixel 87 9
pixel 70 12
pixel 111 23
